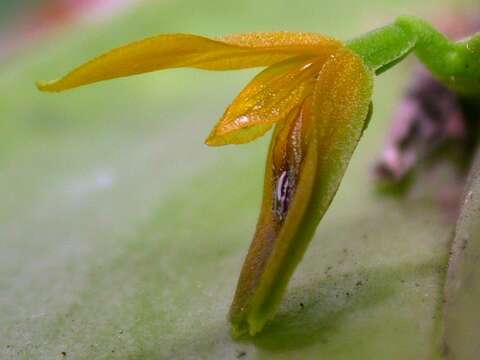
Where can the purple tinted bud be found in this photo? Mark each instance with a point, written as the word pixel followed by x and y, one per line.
pixel 429 117
pixel 432 126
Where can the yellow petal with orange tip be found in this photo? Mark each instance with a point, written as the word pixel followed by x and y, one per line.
pixel 185 50
pixel 300 185
pixel 268 98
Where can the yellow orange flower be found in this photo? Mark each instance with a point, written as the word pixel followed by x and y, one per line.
pixel 314 90
pixel 309 153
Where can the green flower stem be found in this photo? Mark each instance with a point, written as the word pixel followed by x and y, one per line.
pixel 382 47
pixel 457 64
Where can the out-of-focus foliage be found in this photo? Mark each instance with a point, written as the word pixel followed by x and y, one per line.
pixel 23 24
pixel 122 235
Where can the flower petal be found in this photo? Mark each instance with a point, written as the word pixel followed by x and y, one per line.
pixel 334 118
pixel 268 98
pixel 184 50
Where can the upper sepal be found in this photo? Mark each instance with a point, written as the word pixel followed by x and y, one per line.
pixel 185 50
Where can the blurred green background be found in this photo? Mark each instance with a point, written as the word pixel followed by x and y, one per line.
pixel 122 235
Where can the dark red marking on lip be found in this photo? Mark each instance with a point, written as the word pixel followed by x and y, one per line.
pixel 283 195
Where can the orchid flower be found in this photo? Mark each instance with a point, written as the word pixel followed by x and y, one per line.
pixel 316 92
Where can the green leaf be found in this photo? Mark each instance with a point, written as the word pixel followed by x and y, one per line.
pixel 122 235
pixel 114 244
pixel 462 316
